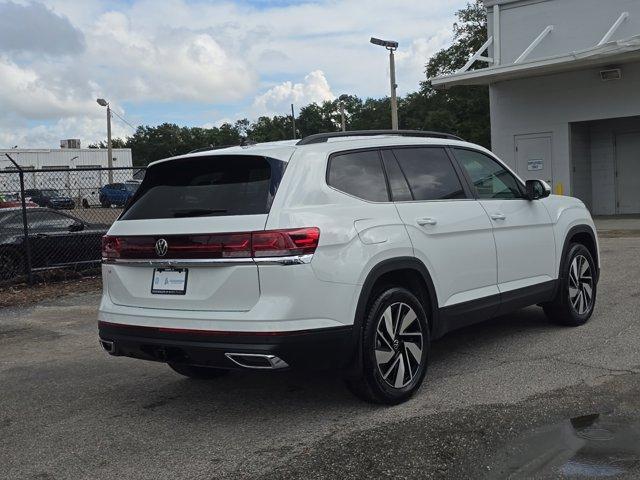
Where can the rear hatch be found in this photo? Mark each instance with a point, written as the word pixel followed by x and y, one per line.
pixel 184 242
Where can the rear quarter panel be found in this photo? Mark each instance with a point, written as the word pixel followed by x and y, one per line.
pixel 355 235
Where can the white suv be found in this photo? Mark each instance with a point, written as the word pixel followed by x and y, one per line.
pixel 352 250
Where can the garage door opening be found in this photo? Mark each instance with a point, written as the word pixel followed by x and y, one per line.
pixel 605 165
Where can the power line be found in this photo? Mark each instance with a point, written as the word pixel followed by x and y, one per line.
pixel 122 118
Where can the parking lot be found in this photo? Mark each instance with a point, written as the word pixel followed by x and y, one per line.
pixel 514 396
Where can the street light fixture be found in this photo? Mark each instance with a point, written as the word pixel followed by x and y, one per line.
pixel 392 46
pixel 103 103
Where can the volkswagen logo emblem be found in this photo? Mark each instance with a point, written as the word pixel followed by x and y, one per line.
pixel 161 247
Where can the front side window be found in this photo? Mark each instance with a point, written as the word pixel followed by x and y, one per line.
pixel 490 179
pixel 359 174
pixel 429 173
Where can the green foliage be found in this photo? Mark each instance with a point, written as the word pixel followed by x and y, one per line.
pixel 462 110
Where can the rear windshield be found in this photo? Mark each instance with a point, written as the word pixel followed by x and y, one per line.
pixel 207 186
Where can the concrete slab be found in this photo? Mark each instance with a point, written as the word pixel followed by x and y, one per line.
pixel 617 226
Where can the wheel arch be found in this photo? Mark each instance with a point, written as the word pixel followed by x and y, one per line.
pixel 384 272
pixel 584 235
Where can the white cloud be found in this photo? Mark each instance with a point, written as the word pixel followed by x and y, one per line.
pixel 168 65
pixel 277 100
pixel 24 93
pixel 55 34
pixel 411 62
pixel 213 55
pixel 88 129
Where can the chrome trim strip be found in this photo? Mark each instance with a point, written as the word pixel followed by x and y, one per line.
pixel 209 262
pixel 291 260
pixel 168 262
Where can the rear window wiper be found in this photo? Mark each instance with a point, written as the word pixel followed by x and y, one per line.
pixel 196 212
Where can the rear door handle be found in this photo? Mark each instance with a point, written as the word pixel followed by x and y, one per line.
pixel 498 216
pixel 426 221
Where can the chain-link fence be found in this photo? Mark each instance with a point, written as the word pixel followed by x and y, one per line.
pixel 54 219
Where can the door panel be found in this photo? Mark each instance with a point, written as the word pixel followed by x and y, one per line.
pixel 628 179
pixel 533 157
pixel 524 240
pixel 450 232
pixel 523 230
pixel 456 245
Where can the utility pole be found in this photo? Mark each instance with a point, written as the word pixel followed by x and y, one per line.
pixel 394 100
pixel 293 122
pixel 392 46
pixel 103 103
pixel 344 123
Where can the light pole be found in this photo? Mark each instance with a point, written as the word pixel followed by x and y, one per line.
pixel 103 103
pixel 343 121
pixel 392 46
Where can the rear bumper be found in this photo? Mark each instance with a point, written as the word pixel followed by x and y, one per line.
pixel 316 349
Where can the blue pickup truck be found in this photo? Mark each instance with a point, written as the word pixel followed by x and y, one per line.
pixel 117 194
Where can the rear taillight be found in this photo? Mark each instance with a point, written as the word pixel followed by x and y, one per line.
pixel 110 247
pixel 270 243
pixel 281 243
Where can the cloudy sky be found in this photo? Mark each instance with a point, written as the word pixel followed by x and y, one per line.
pixel 197 62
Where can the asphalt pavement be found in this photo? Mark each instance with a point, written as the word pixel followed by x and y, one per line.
pixel 515 397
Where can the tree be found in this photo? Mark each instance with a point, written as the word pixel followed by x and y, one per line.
pixel 463 110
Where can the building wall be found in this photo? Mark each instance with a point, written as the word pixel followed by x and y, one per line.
pixel 581 186
pixel 578 25
pixel 39 158
pixel 550 104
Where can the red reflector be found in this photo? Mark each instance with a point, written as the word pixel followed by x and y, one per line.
pixel 270 243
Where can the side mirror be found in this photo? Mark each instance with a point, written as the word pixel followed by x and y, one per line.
pixel 537 189
pixel 76 227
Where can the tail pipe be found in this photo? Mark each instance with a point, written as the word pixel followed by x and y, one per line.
pixel 108 346
pixel 258 361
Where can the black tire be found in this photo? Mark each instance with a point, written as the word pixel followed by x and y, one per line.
pixel 85 203
pixel 373 385
pixel 200 373
pixel 105 204
pixel 567 308
pixel 11 265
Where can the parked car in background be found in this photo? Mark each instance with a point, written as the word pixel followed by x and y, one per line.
pixel 90 198
pixel 49 198
pixel 56 239
pixel 117 194
pixel 11 200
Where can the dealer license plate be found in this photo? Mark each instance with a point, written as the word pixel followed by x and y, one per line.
pixel 169 281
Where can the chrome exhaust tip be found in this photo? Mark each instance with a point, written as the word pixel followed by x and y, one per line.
pixel 108 346
pixel 257 361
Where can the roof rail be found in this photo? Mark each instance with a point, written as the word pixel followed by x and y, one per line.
pixel 323 137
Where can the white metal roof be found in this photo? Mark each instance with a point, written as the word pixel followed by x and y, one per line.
pixel 620 51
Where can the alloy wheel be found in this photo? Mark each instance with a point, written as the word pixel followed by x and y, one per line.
pixel 399 342
pixel 580 285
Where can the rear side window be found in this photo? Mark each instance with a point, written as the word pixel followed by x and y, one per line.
pixel 430 174
pixel 215 185
pixel 359 174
